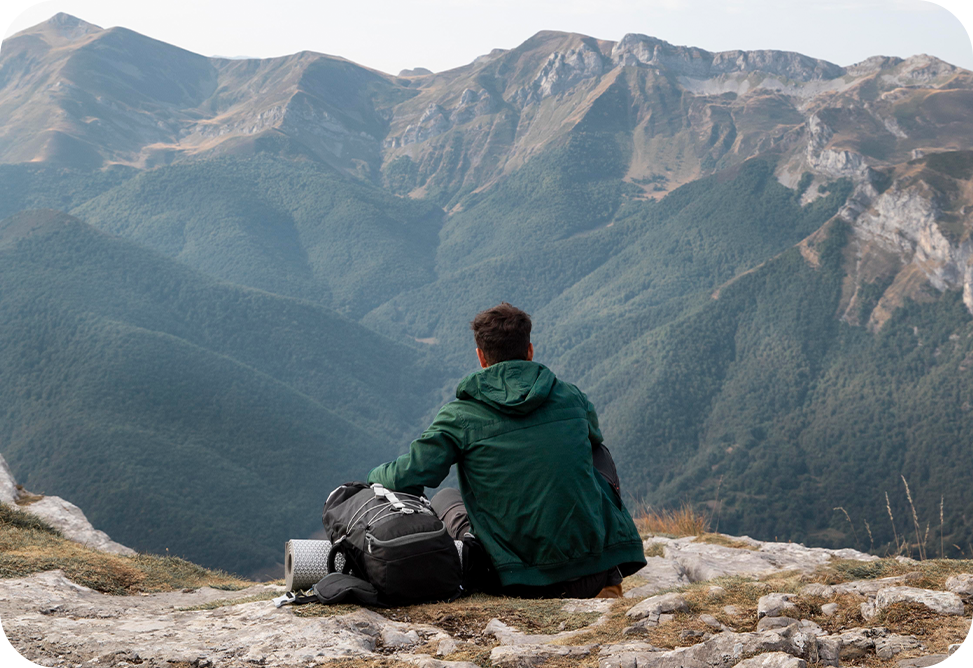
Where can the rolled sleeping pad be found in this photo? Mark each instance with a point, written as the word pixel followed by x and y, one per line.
pixel 306 562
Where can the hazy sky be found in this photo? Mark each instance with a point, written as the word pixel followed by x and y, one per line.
pixel 391 35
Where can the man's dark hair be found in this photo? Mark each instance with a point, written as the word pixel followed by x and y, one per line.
pixel 502 333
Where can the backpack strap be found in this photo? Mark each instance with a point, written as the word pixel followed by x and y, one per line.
pixel 332 589
pixel 290 598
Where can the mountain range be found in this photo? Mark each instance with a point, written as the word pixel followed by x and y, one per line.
pixel 230 285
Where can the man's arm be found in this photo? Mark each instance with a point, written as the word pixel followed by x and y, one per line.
pixel 594 433
pixel 427 462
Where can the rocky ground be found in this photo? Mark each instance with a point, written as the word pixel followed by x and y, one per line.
pixel 711 601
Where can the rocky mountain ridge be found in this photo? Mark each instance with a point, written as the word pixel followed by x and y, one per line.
pixel 76 94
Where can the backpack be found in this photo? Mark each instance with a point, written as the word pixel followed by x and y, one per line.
pixel 393 541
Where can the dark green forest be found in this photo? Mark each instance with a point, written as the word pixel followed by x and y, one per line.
pixel 181 412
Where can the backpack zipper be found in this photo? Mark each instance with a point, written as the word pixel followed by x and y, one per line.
pixel 402 540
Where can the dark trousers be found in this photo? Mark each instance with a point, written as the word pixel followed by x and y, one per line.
pixel 479 573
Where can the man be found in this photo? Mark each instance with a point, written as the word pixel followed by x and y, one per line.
pixel 522 440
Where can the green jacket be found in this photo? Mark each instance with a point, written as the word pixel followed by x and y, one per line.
pixel 522 443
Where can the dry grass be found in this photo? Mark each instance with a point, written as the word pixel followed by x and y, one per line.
pixel 932 573
pixel 29 545
pixel 655 550
pixel 685 521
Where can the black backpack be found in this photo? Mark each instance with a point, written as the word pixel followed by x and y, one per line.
pixel 394 541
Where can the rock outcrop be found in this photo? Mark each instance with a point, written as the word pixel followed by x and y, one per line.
pixel 54 621
pixel 60 514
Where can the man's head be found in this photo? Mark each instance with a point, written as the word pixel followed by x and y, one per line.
pixel 502 333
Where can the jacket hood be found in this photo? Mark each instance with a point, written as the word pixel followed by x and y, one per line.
pixel 515 387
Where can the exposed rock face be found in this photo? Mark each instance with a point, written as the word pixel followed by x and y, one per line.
pixel 62 515
pixel 687 561
pixel 561 72
pixel 8 484
pixel 943 603
pixel 688 61
pixel 961 584
pixel 49 619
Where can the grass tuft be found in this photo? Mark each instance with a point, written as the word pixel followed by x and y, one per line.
pixel 685 521
pixel 15 518
pixel 29 545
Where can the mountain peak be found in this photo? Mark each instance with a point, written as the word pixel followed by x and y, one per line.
pixel 59 29
pixel 69 26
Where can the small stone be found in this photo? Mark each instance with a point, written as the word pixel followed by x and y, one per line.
pixel 710 620
pixel 886 648
pixel 829 609
pixel 665 619
pixel 690 633
pixel 961 584
pixel 394 638
pixel 944 603
pixel 772 623
pixel 775 605
pixel 733 610
pixel 773 660
pixel 715 593
pixel 856 643
pixel 447 646
pixel 819 590
pixel 658 604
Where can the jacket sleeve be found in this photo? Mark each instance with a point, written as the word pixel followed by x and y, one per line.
pixel 594 433
pixel 427 462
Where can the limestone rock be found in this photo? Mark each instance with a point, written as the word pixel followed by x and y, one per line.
pixel 922 661
pixel 447 646
pixel 856 643
pixel 828 609
pixel 773 623
pixel 660 574
pixel 775 605
pixel 819 590
pixel 894 644
pixel 423 661
pixel 165 630
pixel 943 603
pixel 528 656
pixel 60 514
pixel 8 484
pixel 773 660
pixel 392 637
pixel 961 584
pixel 625 655
pixel 727 649
pixel 656 605
pixel 698 562
pixel 869 587
pixel 71 521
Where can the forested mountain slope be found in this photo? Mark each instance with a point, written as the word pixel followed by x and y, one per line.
pixel 186 413
pixel 757 264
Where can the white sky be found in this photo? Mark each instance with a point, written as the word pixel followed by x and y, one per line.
pixel 391 35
